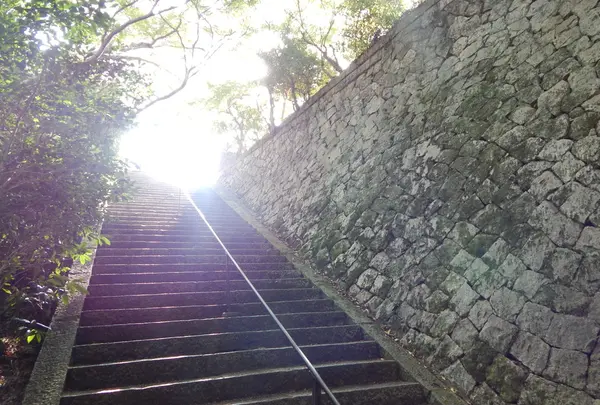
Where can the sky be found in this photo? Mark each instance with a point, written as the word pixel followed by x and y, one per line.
pixel 174 140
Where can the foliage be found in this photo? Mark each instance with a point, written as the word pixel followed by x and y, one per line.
pixel 346 28
pixel 365 18
pixel 239 112
pixel 59 123
pixel 73 76
pixel 295 73
pixel 317 37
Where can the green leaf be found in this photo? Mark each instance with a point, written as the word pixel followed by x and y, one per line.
pixel 30 338
pixel 80 288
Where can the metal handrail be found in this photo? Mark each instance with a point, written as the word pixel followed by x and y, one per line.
pixel 315 374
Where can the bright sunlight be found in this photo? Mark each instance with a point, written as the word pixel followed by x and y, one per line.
pixel 237 84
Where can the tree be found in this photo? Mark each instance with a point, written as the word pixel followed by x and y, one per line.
pixel 240 112
pixel 146 31
pixel 345 28
pixel 365 18
pixel 294 72
pixel 59 121
pixel 73 76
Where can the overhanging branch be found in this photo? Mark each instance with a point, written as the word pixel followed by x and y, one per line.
pixel 112 34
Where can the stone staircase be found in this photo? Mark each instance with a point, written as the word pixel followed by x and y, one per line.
pixel 169 321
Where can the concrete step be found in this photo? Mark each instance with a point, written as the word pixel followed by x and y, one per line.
pixel 199 298
pixel 169 319
pixel 197 286
pixel 242 232
pixel 192 222
pixel 199 275
pixel 240 385
pixel 167 259
pixel 160 268
pixel 153 330
pixel 188 238
pixel 216 250
pixel 158 314
pixel 211 343
pixel 392 393
pixel 169 369
pixel 140 215
pixel 183 245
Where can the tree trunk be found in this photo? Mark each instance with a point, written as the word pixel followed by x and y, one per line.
pixel 271 110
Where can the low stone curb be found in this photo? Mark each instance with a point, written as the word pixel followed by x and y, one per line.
pixel 45 385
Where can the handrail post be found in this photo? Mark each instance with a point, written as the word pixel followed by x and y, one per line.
pixel 316 394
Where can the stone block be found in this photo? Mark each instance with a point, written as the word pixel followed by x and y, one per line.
pixel 496 253
pixel 417 296
pixel 550 101
pixel 367 278
pixel 529 283
pixel 564 263
pixel 506 378
pixel 483 394
pixel 568 367
pixel 464 334
pixel 565 395
pixel 572 332
pixel 583 83
pixel 595 309
pixel 463 232
pixel 511 268
pixel 475 270
pixel 380 262
pixel 568 167
pixel 537 391
pixel 507 303
pixel 480 313
pixel 452 283
pixel 531 351
pixel 446 354
pixel 544 184
pixel 488 283
pixel 436 302
pixel 457 374
pixel 562 299
pixel 581 203
pixel 535 319
pixel 593 378
pixel 588 276
pixel 555 149
pixel 560 229
pixel 535 252
pixel 589 239
pixel 444 323
pixel 498 333
pixel 381 286
pixel 464 299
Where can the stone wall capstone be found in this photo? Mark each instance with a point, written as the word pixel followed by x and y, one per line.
pixel 449 180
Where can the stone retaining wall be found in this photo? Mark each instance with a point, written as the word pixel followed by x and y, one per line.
pixel 450 182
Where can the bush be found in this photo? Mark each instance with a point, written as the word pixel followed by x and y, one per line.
pixel 60 120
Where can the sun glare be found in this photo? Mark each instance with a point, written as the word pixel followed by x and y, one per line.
pixel 175 153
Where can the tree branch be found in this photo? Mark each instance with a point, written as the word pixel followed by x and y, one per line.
pixel 124 7
pixel 111 35
pixel 144 45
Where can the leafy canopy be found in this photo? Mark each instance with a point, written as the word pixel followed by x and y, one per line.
pixel 73 76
